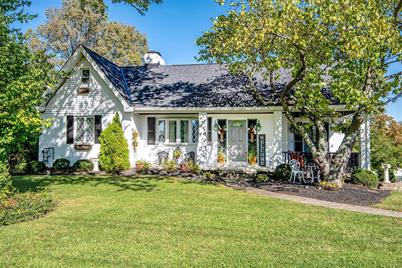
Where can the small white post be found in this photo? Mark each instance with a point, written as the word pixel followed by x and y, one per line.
pixel 95 161
pixel 386 168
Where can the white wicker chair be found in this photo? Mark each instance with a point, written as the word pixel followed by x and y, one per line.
pixel 296 172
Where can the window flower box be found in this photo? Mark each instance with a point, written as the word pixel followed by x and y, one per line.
pixel 83 90
pixel 83 146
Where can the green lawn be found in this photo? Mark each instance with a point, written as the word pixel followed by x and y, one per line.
pixel 393 202
pixel 115 222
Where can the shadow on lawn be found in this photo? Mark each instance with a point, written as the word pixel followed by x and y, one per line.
pixel 38 183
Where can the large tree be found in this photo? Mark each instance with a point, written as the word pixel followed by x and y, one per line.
pixel 85 22
pixel 24 77
pixel 325 47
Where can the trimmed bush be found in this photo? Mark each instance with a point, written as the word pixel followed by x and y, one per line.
pixel 61 164
pixel 261 178
pixel 114 153
pixel 83 165
pixel 365 177
pixel 6 185
pixel 142 166
pixel 21 168
pixel 170 166
pixel 36 167
pixel 282 172
pixel 24 206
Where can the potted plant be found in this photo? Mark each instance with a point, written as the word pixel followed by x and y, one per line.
pixel 252 157
pixel 177 153
pixel 221 157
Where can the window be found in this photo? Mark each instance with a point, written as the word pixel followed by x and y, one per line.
pixel 184 131
pixel 85 77
pixel 151 130
pixel 194 131
pixel 172 131
pixel 161 131
pixel 85 129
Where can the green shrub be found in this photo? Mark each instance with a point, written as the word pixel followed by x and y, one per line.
pixel 21 168
pixel 24 206
pixel 83 165
pixel 194 167
pixel 329 186
pixel 209 176
pixel 282 172
pixel 365 177
pixel 261 178
pixel 114 153
pixel 170 166
pixel 142 166
pixel 61 164
pixel 6 185
pixel 36 167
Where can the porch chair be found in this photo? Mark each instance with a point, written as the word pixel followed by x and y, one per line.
pixel 162 157
pixel 190 156
pixel 296 172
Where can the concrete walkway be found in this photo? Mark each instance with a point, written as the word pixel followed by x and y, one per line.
pixel 327 204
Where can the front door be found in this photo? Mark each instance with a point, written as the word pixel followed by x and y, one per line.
pixel 237 141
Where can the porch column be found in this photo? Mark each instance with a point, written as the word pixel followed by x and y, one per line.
pixel 202 140
pixel 277 139
pixel 365 144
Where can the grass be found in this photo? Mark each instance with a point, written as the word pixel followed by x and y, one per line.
pixel 117 222
pixel 392 202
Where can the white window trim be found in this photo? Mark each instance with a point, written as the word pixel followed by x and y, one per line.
pixel 81 77
pixel 178 138
pixel 76 130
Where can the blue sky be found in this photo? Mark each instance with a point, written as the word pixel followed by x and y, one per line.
pixel 171 28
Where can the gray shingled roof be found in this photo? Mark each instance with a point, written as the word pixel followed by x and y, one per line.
pixel 194 85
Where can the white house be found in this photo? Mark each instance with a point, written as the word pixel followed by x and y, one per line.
pixel 199 108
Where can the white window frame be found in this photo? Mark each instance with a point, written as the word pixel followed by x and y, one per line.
pixel 178 134
pixel 86 85
pixel 92 141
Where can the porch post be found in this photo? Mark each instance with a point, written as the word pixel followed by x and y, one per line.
pixel 277 139
pixel 202 140
pixel 365 144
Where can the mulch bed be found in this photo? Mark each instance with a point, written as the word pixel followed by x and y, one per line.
pixel 350 193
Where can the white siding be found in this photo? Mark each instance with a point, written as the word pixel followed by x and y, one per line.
pixel 67 101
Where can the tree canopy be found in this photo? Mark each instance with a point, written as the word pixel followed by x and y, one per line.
pixel 86 22
pixel 333 52
pixel 24 77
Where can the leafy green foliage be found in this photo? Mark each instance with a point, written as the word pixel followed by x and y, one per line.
pixel 140 5
pixel 83 165
pixel 365 177
pixel 37 167
pixel 190 167
pixel 80 22
pixel 6 186
pixel 26 206
pixel 261 178
pixel 114 153
pixel 170 166
pixel 282 172
pixel 142 166
pixel 24 77
pixel 343 48
pixel 386 144
pixel 61 164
